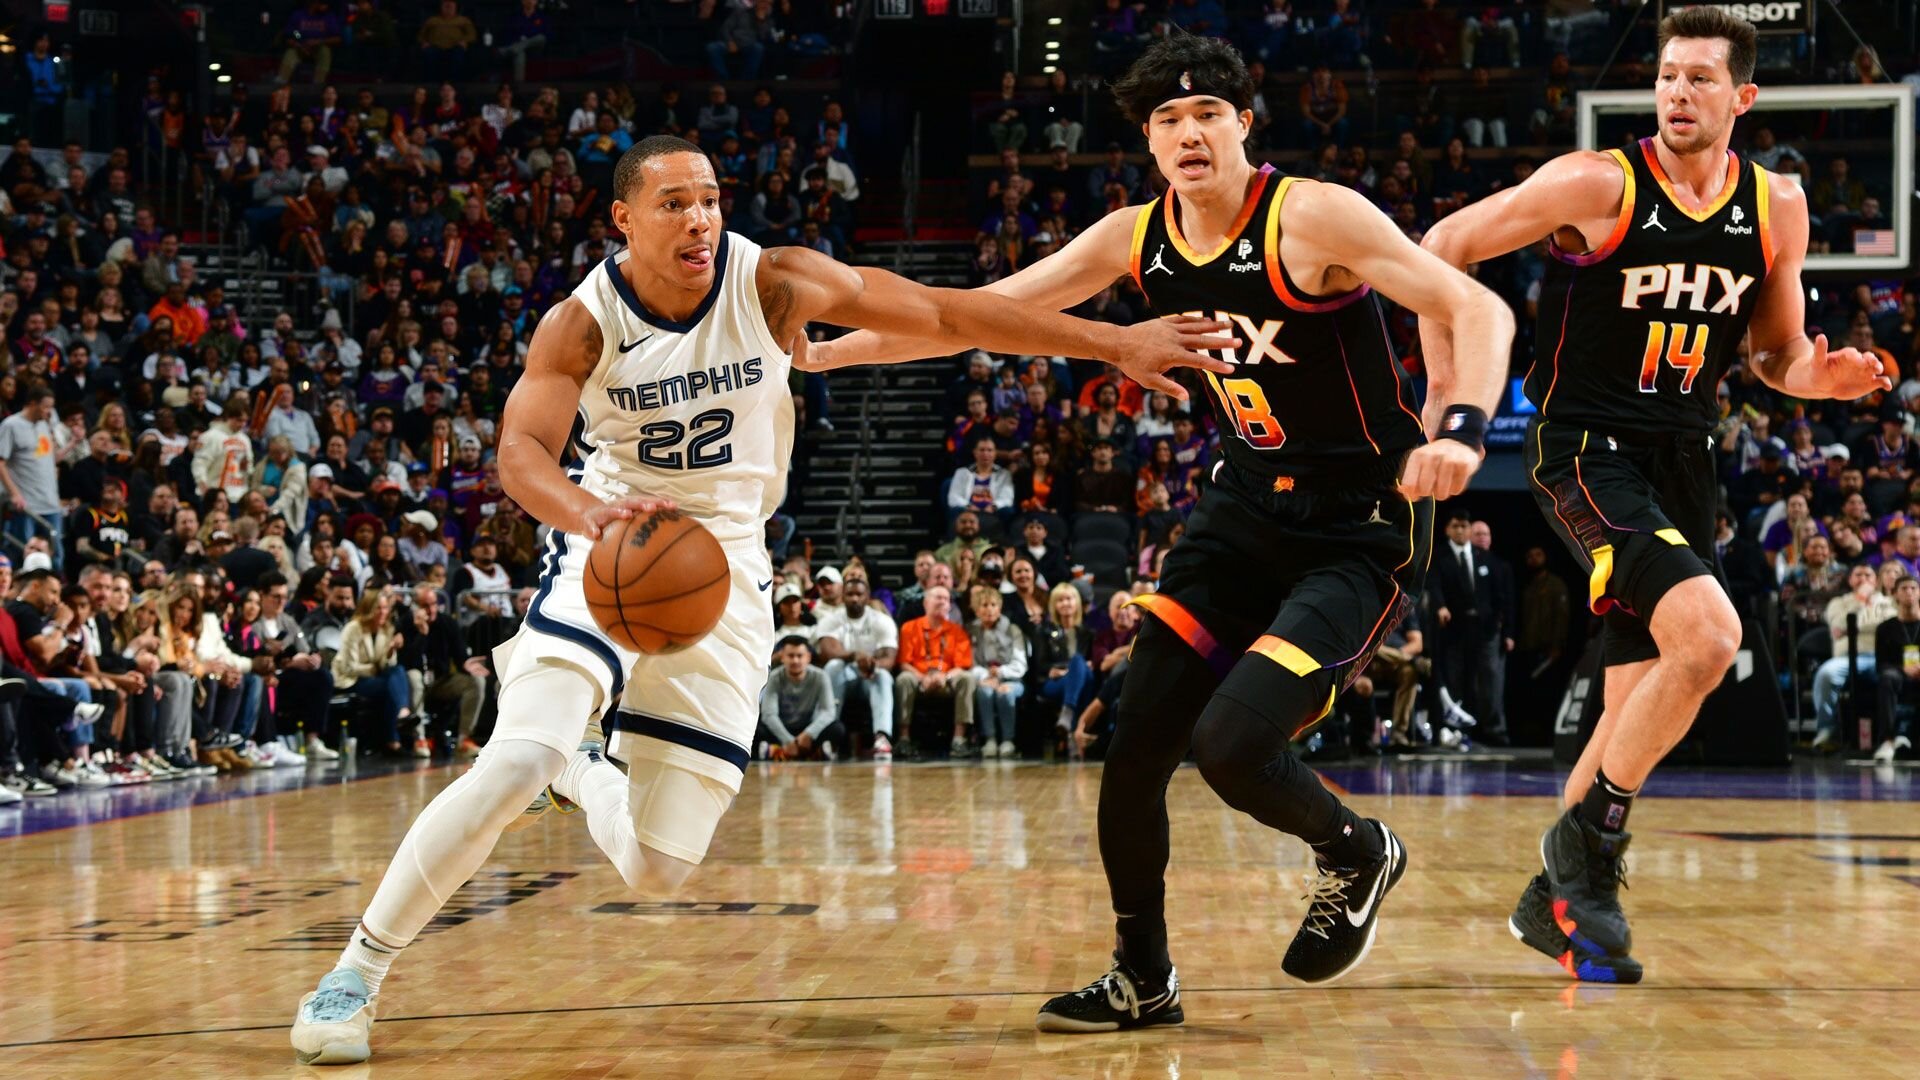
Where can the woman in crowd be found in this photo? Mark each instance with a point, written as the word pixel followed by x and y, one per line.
pixel 368 665
pixel 1060 666
pixel 1041 485
pixel 999 671
pixel 1027 603
pixel 212 690
pixel 386 565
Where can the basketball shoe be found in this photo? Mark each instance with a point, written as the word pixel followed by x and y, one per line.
pixel 1343 912
pixel 1585 868
pixel 1532 923
pixel 592 746
pixel 334 1021
pixel 1118 1000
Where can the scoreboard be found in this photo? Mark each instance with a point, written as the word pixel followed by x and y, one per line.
pixel 936 9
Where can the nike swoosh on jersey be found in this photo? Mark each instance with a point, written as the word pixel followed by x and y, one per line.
pixel 1359 918
pixel 765 584
pixel 624 347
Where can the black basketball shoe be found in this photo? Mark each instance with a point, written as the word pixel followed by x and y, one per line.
pixel 1115 1001
pixel 1532 923
pixel 1585 868
pixel 1343 913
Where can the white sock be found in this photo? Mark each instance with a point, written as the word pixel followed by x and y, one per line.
pixel 368 957
pixel 579 766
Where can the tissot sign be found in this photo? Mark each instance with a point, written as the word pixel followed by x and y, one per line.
pixel 1774 17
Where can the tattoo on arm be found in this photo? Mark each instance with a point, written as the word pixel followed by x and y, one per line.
pixel 596 344
pixel 776 301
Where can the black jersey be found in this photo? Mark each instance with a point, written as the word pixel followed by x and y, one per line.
pixel 1317 387
pixel 1635 336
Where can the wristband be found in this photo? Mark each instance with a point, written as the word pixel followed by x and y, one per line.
pixel 1465 423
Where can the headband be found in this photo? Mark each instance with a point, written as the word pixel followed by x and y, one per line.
pixel 1189 83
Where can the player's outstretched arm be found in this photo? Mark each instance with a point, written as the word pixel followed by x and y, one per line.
pixel 798 286
pixel 1090 262
pixel 1582 190
pixel 539 419
pixel 1337 227
pixel 1778 347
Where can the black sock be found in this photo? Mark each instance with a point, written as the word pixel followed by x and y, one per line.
pixel 1606 804
pixel 1143 946
pixel 1355 841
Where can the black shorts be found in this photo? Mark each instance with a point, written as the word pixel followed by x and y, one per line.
pixel 1312 577
pixel 1638 515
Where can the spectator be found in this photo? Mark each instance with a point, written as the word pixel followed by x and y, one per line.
pixel 305 683
pixel 839 174
pixel 984 488
pixel 999 672
pixel 1102 487
pixel 1323 108
pixel 861 645
pixel 1897 654
pixel 311 34
pixel 936 659
pixel 1490 22
pixel 243 562
pixel 1061 647
pixel 746 35
pixel 1049 560
pixel 717 117
pixel 29 445
pixel 774 214
pixel 445 40
pixel 798 715
pixel 527 29
pixel 1042 485
pixel 1868 607
pixel 442 672
pixel 790 615
pixel 367 660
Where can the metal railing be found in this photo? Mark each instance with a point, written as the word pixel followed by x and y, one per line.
pixel 849 524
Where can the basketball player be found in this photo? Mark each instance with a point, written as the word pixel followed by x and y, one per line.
pixel 1664 255
pixel 1303 551
pixel 663 379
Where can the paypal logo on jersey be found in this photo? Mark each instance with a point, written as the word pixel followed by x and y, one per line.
pixel 692 386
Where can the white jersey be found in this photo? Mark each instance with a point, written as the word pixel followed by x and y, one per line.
pixel 698 411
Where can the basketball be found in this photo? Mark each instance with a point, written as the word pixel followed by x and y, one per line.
pixel 656 582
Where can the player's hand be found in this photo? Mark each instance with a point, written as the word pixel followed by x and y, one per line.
pixel 599 517
pixel 810 355
pixel 1149 349
pixel 1439 470
pixel 1848 373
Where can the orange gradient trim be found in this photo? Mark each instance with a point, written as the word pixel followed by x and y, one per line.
pixel 1358 410
pixel 1286 654
pixel 1660 177
pixel 1179 620
pixel 1233 231
pixel 1139 241
pixel 1277 275
pixel 1380 626
pixel 1620 223
pixel 1762 205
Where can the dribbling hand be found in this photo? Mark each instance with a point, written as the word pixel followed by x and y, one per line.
pixel 1848 373
pixel 1150 349
pixel 1438 470
pixel 599 517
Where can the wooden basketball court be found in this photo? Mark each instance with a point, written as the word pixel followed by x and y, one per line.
pixel 855 921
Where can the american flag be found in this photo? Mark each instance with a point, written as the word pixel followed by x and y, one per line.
pixel 1873 242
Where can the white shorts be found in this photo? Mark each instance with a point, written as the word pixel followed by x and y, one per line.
pixel 696 708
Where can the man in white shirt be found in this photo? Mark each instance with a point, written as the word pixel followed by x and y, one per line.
pixel 860 644
pixel 983 487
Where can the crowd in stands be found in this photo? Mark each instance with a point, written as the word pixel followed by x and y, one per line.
pixel 235 542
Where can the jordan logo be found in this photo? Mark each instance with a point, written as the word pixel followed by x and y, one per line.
pixel 1376 519
pixel 1159 262
pixel 1653 221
